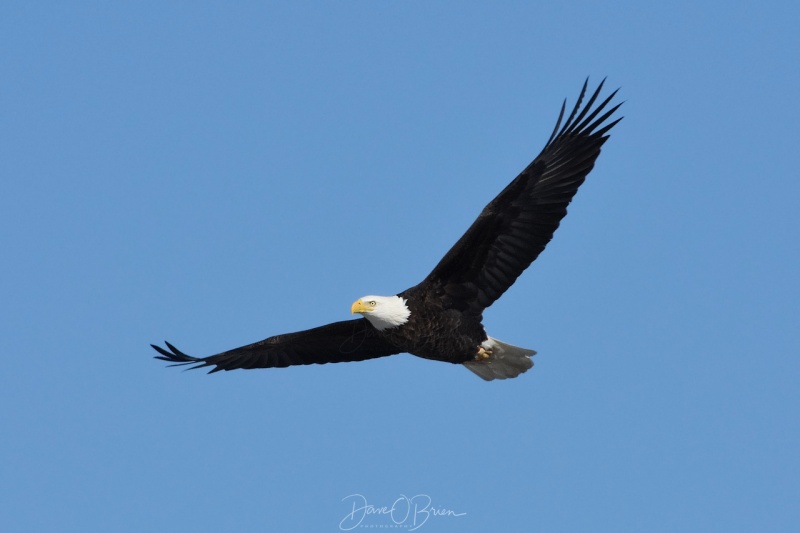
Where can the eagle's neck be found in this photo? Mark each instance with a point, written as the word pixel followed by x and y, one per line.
pixel 390 312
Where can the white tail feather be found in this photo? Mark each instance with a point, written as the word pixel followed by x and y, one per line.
pixel 506 361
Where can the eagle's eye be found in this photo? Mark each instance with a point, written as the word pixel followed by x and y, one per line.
pixel 372 303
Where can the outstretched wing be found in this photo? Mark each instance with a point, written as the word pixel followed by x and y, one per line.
pixel 351 340
pixel 516 226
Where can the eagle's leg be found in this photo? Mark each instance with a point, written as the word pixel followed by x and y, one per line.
pixel 483 354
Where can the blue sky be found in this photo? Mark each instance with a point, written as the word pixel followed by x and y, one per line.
pixel 213 174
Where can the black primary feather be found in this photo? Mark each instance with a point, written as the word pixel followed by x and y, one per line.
pixel 351 340
pixel 514 228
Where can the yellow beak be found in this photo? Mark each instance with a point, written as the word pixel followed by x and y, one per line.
pixel 358 307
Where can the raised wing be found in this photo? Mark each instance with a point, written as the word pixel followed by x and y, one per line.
pixel 515 227
pixel 351 340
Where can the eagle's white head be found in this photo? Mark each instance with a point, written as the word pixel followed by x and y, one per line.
pixel 382 311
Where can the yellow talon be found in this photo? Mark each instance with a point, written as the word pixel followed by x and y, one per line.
pixel 483 354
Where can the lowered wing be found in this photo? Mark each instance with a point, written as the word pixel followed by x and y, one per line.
pixel 351 340
pixel 515 227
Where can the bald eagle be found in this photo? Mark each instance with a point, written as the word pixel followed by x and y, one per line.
pixel 440 318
